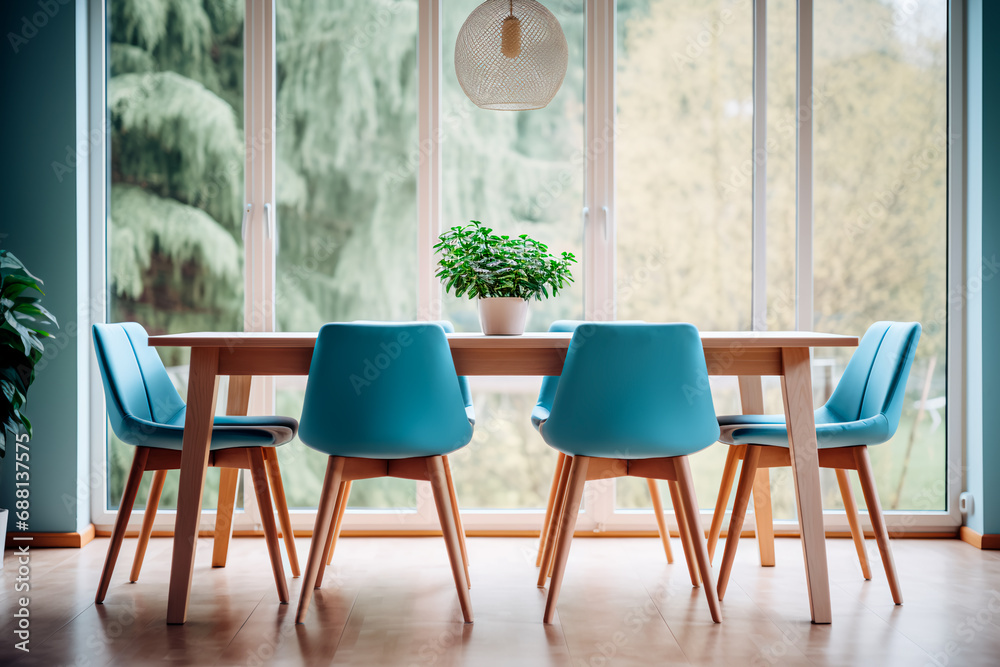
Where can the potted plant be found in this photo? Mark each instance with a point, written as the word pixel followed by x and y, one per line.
pixel 21 320
pixel 503 273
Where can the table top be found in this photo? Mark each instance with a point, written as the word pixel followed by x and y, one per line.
pixel 709 339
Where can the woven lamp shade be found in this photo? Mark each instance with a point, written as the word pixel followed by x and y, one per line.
pixel 511 63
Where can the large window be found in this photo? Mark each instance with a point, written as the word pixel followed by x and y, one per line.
pixel 278 164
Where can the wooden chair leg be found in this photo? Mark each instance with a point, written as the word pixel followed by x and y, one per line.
pixel 725 488
pixel 686 484
pixel 321 531
pixel 446 515
pixel 682 527
pixel 661 521
pixel 763 517
pixel 567 517
pixel 278 496
pixel 743 492
pixel 867 478
pixel 553 532
pixel 343 495
pixel 258 471
pixel 121 522
pixel 148 517
pixel 229 479
pixel 458 519
pixel 553 489
pixel 851 508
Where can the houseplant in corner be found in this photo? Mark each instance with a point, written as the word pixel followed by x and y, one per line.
pixel 23 323
pixel 501 272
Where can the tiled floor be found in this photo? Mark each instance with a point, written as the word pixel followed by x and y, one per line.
pixel 392 602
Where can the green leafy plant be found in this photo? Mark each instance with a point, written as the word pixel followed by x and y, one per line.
pixel 475 261
pixel 23 323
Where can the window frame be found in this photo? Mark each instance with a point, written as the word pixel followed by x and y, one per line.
pixel 598 265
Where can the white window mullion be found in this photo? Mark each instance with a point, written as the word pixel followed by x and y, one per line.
pixel 759 265
pixel 804 168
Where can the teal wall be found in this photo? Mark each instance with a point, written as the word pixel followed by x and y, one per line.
pixel 39 225
pixel 983 243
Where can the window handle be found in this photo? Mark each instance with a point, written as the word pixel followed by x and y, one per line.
pixel 604 209
pixel 243 226
pixel 268 221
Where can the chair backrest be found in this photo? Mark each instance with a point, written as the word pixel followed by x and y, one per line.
pixel 136 384
pixel 547 392
pixel 634 385
pixel 385 389
pixel 874 381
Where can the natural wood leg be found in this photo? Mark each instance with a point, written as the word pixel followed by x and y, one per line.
pixel 148 517
pixel 851 508
pixel 686 485
pixel 553 532
pixel 570 510
pixel 725 488
pixel 743 492
pixel 752 401
pixel 321 530
pixel 796 390
pixel 258 471
pixel 278 495
pixel 229 479
pixel 661 521
pixel 121 522
pixel 553 489
pixel 446 514
pixel 458 518
pixel 343 495
pixel 867 478
pixel 203 387
pixel 682 527
pixel 237 403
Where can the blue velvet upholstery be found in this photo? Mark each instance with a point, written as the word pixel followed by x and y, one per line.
pixel 865 407
pixel 145 409
pixel 631 391
pixel 384 391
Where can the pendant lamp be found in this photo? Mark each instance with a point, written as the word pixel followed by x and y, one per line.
pixel 511 55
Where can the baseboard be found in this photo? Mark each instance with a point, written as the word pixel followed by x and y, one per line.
pixel 989 541
pixel 53 540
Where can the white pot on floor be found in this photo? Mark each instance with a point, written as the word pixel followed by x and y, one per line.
pixel 503 315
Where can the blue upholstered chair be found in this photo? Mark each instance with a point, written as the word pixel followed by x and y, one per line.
pixel 632 400
pixel 344 494
pixel 546 539
pixel 147 412
pixel 863 410
pixel 383 400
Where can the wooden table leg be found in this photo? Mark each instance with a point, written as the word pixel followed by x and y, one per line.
pixel 796 390
pixel 752 400
pixel 237 403
pixel 203 389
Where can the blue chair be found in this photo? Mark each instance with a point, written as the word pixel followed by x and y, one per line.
pixel 383 400
pixel 147 412
pixel 863 410
pixel 632 400
pixel 546 539
pixel 344 494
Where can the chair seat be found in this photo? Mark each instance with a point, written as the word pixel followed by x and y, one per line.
pixel 228 431
pixel 830 432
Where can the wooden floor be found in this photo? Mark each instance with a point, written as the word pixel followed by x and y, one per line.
pixel 392 602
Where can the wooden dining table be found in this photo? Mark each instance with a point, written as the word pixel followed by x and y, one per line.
pixel 746 355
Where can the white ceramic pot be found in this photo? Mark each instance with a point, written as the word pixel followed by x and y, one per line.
pixel 503 315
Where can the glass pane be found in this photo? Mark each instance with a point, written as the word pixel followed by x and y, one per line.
pixel 685 134
pixel 346 181
pixel 881 215
pixel 519 172
pixel 175 110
